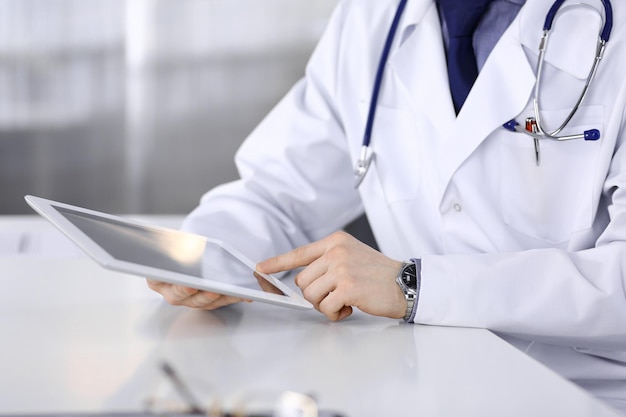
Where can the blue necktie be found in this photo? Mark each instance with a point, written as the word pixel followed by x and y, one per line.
pixel 461 17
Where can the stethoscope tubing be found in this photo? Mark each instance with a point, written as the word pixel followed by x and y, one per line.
pixel 364 161
pixel 538 131
pixel 380 72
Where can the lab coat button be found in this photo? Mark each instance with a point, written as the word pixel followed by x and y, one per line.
pixel 457 207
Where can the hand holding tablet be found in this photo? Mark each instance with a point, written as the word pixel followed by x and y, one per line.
pixel 179 295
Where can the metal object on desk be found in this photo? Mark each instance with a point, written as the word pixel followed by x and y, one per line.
pixel 268 403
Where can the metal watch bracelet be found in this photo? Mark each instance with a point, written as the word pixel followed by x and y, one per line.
pixel 409 280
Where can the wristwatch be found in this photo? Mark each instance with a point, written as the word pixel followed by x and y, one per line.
pixel 407 279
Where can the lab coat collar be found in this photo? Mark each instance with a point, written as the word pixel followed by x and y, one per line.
pixel 414 13
pixel 419 61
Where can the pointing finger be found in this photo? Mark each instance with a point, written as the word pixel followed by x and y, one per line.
pixel 301 256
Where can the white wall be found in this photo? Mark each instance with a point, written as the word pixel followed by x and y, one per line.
pixel 139 105
pixel 171 29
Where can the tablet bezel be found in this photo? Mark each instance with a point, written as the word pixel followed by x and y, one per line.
pixel 48 209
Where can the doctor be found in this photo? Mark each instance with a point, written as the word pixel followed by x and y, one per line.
pixel 477 225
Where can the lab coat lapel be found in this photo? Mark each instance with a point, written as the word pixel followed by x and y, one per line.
pixel 500 93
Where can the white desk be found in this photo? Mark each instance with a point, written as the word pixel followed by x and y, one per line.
pixel 78 338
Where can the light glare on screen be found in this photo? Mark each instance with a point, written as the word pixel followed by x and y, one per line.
pixel 186 251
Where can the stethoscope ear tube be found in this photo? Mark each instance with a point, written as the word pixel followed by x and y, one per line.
pixel 513 126
pixel 593 134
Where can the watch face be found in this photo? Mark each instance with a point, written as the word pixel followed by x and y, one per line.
pixel 409 276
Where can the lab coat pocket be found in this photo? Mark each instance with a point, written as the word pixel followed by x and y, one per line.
pixel 395 146
pixel 554 199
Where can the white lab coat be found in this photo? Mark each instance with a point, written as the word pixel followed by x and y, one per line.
pixel 535 253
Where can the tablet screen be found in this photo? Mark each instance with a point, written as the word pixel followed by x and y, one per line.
pixel 171 250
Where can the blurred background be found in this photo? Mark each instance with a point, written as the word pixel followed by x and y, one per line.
pixel 137 106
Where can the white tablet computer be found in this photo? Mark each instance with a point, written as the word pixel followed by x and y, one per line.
pixel 165 254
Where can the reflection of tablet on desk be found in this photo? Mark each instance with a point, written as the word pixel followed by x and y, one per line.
pixel 166 255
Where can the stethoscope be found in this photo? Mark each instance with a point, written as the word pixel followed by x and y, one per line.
pixel 533 126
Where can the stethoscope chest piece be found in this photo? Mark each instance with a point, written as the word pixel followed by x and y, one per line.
pixel 362 165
